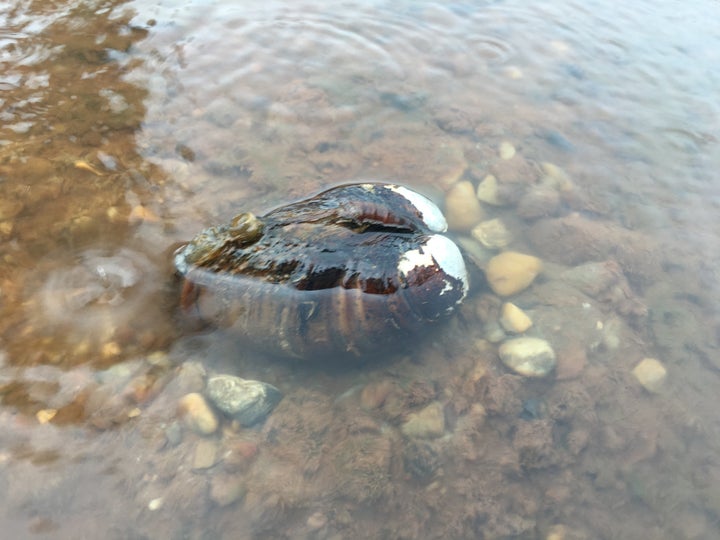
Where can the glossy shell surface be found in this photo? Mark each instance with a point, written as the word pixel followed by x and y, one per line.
pixel 355 269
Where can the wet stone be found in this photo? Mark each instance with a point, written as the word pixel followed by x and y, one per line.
pixel 513 319
pixel 539 201
pixel 225 490
pixel 462 208
pixel 197 414
pixel 651 374
pixel 205 455
pixel 428 423
pixel 173 434
pixel 239 455
pixel 511 272
pixel 246 401
pixel 374 394
pixel 421 460
pixel 492 234
pixel 506 150
pixel 528 356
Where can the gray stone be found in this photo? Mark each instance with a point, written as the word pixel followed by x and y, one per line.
pixel 248 402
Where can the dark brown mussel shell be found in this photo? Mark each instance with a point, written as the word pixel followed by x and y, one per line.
pixel 356 269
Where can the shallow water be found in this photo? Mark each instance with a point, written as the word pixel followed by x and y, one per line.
pixel 126 129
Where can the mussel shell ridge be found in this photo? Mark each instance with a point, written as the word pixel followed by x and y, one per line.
pixel 355 269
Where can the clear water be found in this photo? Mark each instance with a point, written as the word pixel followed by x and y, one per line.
pixel 126 128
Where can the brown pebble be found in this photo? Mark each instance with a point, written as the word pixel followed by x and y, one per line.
pixel 570 363
pixel 205 454
pixel 240 454
pixel 225 490
pixel 375 393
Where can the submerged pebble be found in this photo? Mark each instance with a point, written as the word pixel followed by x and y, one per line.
pixel 354 270
pixel 511 272
pixel 506 150
pixel 651 374
pixel 528 356
pixel 246 401
pixel 428 423
pixel 226 489
pixel 462 208
pixel 488 192
pixel 205 455
pixel 493 234
pixel 539 201
pixel 513 319
pixel 197 414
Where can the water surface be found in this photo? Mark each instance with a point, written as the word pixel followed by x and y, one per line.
pixel 128 128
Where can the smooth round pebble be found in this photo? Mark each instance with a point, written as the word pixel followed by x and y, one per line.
pixel 197 415
pixel 510 272
pixel 462 209
pixel 528 356
pixel 513 319
pixel 651 374
pixel 492 234
pixel 246 401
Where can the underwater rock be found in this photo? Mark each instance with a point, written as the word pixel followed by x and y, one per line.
pixel 355 269
pixel 513 319
pixel 487 191
pixel 528 356
pixel 462 207
pixel 197 414
pixel 248 402
pixel 651 374
pixel 511 272
pixel 539 201
pixel 492 234
pixel 428 423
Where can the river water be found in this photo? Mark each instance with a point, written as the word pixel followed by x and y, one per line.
pixel 128 127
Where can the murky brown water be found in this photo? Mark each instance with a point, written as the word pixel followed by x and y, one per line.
pixel 126 129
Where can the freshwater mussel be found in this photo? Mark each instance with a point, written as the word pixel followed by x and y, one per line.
pixel 357 269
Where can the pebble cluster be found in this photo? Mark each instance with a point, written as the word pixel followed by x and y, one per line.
pixel 474 212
